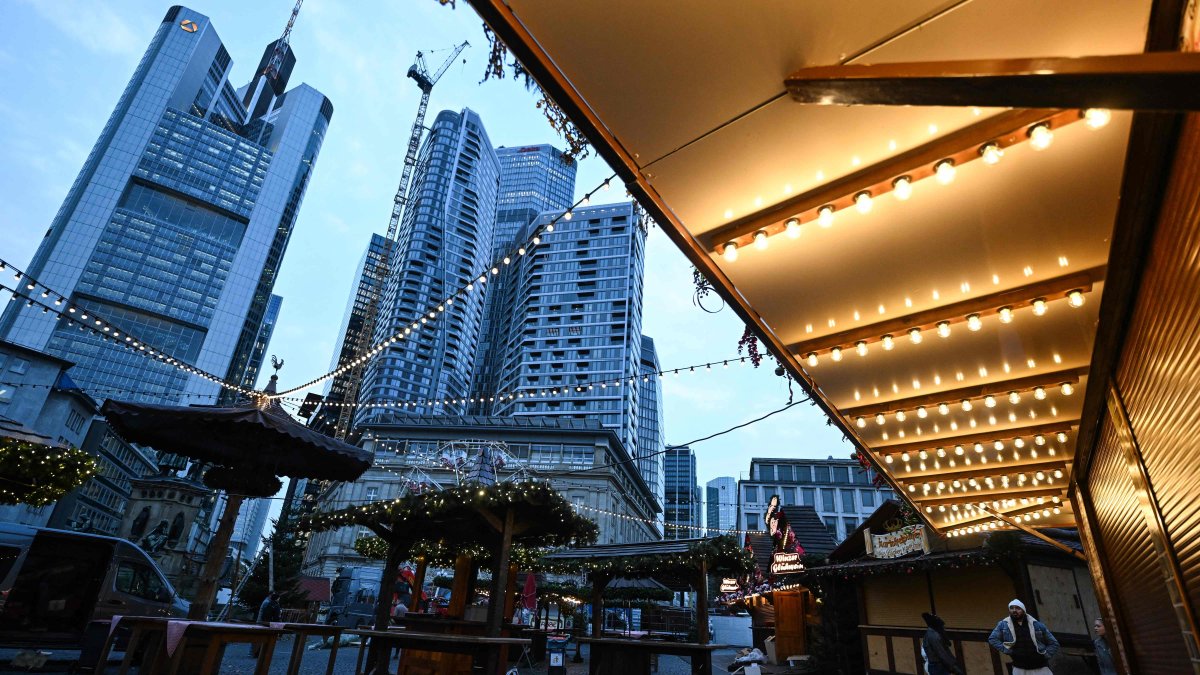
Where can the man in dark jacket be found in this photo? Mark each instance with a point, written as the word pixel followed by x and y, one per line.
pixel 1027 640
pixel 268 611
pixel 938 658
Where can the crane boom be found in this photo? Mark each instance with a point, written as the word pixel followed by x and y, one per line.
pixel 419 73
pixel 272 69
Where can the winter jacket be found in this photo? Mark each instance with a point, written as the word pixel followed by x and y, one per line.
pixel 937 655
pixel 1003 637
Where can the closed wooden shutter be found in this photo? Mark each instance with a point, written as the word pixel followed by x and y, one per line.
pixel 972 598
pixel 895 600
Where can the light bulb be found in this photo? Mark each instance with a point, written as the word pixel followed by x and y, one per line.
pixel 991 153
pixel 914 335
pixel 825 216
pixel 860 422
pixel 1096 118
pixel 904 456
pixel 974 323
pixel 1039 439
pixel 1067 389
pixel 812 359
pixel 944 171
pixel 1058 473
pixel 1040 136
pixel 902 187
pixel 861 347
pixel 943 329
pixel 862 202
pixel 760 240
pixel 989 401
pixel 836 353
pixel 1039 306
pixel 1019 442
pixel 793 228
pixel 998 445
pixel 1006 314
pixel 567 215
pixel 941 452
pixel 1075 298
pixel 888 343
pixel 943 409
pixel 887 459
pixel 1062 437
pixel 979 448
pixel 921 412
pixel 731 252
pixel 1014 397
pixel 900 416
pixel 966 405
pixel 1039 393
pixel 958 450
pixel 880 419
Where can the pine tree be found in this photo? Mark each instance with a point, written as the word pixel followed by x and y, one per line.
pixel 289 557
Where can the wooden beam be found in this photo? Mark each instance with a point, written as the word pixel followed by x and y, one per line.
pixel 999 388
pixel 957 312
pixel 1020 510
pixel 1163 81
pixel 988 496
pixel 970 439
pixel 1029 530
pixel 985 470
pixel 1004 129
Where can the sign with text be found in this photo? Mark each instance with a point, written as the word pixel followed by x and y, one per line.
pixel 786 563
pixel 729 585
pixel 908 539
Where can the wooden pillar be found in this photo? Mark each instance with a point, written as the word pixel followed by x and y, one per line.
pixel 377 661
pixel 510 594
pixel 702 603
pixel 419 582
pixel 461 587
pixel 599 582
pixel 500 576
pixel 217 548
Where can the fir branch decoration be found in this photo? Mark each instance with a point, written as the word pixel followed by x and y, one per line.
pixel 35 474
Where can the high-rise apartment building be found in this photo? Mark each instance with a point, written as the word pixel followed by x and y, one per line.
pixel 444 243
pixel 721 505
pixel 176 226
pixel 841 491
pixel 651 432
pixel 682 506
pixel 575 321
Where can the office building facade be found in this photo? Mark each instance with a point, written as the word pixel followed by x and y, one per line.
pixel 99 505
pixel 262 341
pixel 248 528
pixel 720 505
pixel 444 243
pixel 651 429
pixel 177 224
pixel 681 510
pixel 840 490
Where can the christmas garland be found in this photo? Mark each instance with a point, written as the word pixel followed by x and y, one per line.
pixel 36 474
pixel 439 554
pixel 722 554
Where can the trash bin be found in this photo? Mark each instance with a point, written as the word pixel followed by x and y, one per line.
pixel 556 653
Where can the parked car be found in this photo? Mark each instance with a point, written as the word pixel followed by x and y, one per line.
pixel 54 582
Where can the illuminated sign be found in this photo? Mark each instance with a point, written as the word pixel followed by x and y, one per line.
pixel 189 25
pixel 729 585
pixel 786 563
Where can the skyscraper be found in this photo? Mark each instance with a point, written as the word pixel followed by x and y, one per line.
pixel 248 528
pixel 262 341
pixel 575 321
pixel 682 507
pixel 651 436
pixel 178 221
pixel 721 502
pixel 443 243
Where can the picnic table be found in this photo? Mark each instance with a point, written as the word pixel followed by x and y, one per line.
pixel 618 656
pixel 166 641
pixel 476 646
pixel 302 631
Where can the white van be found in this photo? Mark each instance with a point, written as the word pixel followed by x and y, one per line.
pixel 54 582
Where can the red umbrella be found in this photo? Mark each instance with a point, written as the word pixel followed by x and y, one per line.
pixel 529 595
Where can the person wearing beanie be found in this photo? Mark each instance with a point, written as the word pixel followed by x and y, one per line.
pixel 938 658
pixel 1026 640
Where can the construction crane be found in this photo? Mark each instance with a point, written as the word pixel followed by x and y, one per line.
pixel 419 72
pixel 276 61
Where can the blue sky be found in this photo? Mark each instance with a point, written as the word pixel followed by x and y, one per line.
pixel 65 62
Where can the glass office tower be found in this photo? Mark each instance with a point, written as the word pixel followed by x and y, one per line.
pixel 443 243
pixel 176 226
pixel 651 432
pixel 682 507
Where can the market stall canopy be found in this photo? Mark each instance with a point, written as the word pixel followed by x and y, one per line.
pixel 923 240
pixel 671 561
pixel 254 436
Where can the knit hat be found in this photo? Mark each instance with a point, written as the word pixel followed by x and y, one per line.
pixel 1017 603
pixel 934 621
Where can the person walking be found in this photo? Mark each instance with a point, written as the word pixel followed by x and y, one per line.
pixel 268 612
pixel 1104 657
pixel 938 658
pixel 1027 640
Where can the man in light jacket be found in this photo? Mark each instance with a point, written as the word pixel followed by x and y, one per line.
pixel 1027 640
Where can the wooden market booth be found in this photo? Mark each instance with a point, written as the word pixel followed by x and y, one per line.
pixel 969 229
pixel 494 517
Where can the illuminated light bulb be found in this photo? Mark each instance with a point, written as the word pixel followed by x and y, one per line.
pixel 1006 314
pixel 998 445
pixel 1067 389
pixel 902 187
pixel 792 228
pixel 812 359
pixel 904 456
pixel 1075 298
pixel 944 171
pixel 941 452
pixel 1040 136
pixel 1062 437
pixel 1019 442
pixel 912 488
pixel 1039 306
pixel 760 240
pixel 1039 440
pixel 974 323
pixel 731 252
pixel 836 353
pixel 957 483
pixel 860 422
pixel 966 405
pixel 566 216
pixel 1039 393
pixel 549 227
pixel 944 408
pixel 991 153
pixel 825 216
pixel 921 412
pixel 861 347
pixel 1014 397
pixel 537 240
pixel 888 343
pixel 989 401
pixel 887 459
pixel 923 455
pixel 958 450
pixel 862 202
pixel 900 416
pixel 880 419
pixel 1096 118
pixel 1058 473
pixel 914 335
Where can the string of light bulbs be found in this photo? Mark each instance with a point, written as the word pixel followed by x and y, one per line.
pixel 1039 135
pixel 967 404
pixel 478 279
pixel 997 440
